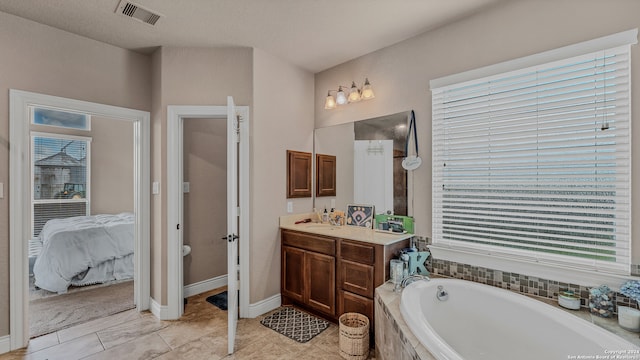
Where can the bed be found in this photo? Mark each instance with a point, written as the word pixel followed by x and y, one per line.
pixel 85 250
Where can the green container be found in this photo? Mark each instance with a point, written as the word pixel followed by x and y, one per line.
pixel 407 221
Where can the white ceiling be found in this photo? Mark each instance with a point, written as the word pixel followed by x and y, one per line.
pixel 313 34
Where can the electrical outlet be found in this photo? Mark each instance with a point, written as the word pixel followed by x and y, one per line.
pixel 289 207
pixel 185 187
pixel 155 188
pixel 333 203
pixel 1 190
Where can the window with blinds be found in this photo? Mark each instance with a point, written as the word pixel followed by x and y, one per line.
pixel 60 178
pixel 535 163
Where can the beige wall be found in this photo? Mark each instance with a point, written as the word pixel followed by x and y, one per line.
pixel 205 205
pixel 42 59
pixel 187 76
pixel 111 166
pixel 282 120
pixel 400 74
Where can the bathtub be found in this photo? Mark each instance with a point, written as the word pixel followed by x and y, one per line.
pixel 478 322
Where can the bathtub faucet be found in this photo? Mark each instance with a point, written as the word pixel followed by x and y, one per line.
pixel 412 278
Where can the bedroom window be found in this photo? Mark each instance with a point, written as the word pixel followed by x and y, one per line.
pixel 534 163
pixel 60 168
pixel 59 118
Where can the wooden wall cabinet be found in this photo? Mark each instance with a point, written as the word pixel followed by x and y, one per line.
pixel 298 174
pixel 325 175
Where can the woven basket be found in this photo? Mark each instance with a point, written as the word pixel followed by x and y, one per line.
pixel 354 336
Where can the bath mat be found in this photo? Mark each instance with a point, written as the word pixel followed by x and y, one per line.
pixel 295 324
pixel 219 300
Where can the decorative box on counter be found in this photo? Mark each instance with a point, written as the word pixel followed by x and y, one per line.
pixel 394 223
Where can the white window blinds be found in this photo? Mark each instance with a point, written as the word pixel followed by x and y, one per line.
pixel 535 163
pixel 61 174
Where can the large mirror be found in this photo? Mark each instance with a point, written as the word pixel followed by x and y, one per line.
pixel 369 170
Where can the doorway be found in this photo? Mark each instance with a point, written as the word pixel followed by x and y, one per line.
pixel 204 204
pixel 176 116
pixel 82 246
pixel 21 103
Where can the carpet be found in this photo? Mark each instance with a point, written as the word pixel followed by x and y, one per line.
pixel 219 300
pixel 295 324
pixel 54 313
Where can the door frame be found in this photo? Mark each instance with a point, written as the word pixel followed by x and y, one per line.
pixel 175 287
pixel 19 200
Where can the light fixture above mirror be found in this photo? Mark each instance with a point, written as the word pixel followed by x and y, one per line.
pixel 354 94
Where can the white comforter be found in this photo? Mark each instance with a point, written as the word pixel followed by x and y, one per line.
pixel 85 250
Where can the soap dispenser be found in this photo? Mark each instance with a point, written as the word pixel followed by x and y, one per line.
pixel 325 216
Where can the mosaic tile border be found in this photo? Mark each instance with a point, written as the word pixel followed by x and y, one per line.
pixel 528 285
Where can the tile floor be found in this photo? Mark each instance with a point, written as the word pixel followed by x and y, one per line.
pixel 201 333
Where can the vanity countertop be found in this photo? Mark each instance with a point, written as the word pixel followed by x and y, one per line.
pixel 344 232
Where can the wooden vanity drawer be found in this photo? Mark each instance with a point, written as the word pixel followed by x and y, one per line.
pixel 356 278
pixel 309 242
pixel 357 252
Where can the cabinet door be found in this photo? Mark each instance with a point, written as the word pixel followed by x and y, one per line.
pixel 292 273
pixel 320 278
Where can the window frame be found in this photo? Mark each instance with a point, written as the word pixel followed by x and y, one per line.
pixel 87 118
pixel 516 261
pixel 86 199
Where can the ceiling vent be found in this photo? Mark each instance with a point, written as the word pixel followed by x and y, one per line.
pixel 137 12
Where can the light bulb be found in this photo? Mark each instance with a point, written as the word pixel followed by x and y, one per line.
pixel 330 102
pixel 367 92
pixel 341 97
pixel 354 94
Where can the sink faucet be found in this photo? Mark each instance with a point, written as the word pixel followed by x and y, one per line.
pixel 412 278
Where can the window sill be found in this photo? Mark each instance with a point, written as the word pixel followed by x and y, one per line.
pixel 558 273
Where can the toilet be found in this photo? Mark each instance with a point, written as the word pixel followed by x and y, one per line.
pixel 186 250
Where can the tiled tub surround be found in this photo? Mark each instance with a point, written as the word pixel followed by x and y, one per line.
pixel 527 285
pixel 394 339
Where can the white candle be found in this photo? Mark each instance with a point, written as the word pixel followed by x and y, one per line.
pixel 629 318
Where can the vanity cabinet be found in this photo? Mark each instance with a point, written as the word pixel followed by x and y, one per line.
pixel 308 275
pixel 331 275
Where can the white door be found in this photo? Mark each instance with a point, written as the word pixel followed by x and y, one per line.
pixel 233 127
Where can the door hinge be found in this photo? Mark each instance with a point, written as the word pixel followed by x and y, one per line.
pixel 237 125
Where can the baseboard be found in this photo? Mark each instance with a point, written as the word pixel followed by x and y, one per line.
pixel 255 310
pixel 159 311
pixel 264 306
pixel 5 344
pixel 205 285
